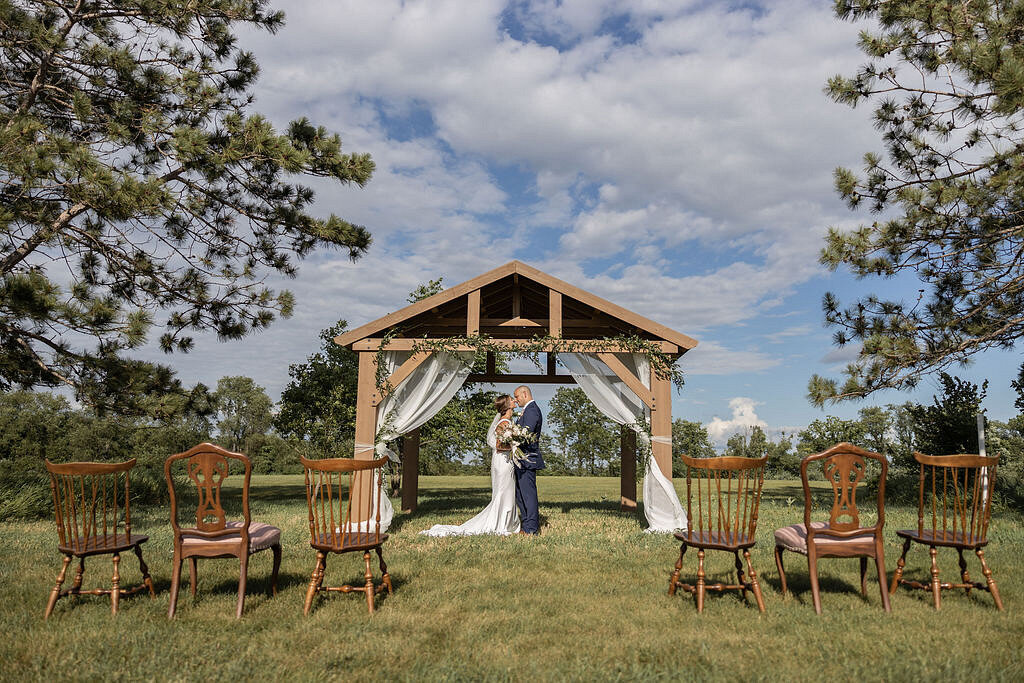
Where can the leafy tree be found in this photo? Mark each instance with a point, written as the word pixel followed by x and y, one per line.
pixel 950 424
pixel 38 425
pixel 587 439
pixel 427 290
pixel 823 434
pixel 742 445
pixel 138 188
pixel 947 80
pixel 689 438
pixel 318 406
pixel 457 433
pixel 244 410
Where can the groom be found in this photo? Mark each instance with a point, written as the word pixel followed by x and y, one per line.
pixel 526 469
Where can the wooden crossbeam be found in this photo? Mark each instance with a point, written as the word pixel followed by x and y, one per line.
pixel 399 375
pixel 495 378
pixel 631 381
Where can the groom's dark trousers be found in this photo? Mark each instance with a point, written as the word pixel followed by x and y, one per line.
pixel 526 472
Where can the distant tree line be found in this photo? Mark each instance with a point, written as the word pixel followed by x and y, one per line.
pixel 316 414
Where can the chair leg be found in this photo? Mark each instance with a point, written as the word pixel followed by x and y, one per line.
pixel 243 576
pixel 754 584
pixel 276 549
pixel 882 578
pixel 369 581
pixel 988 579
pixel 79 574
pixel 193 575
pixel 146 578
pixel 115 594
pixel 175 585
pixel 385 577
pixel 700 580
pixel 314 581
pixel 900 563
pixel 812 571
pixel 782 570
pixel 936 586
pixel 55 593
pixel 864 576
pixel 740 579
pixel 674 579
pixel 964 576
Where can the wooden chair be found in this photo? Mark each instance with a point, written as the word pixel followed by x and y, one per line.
pixel 954 487
pixel 343 496
pixel 728 495
pixel 92 505
pixel 213 535
pixel 841 536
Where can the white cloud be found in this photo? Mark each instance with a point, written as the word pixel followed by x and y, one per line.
pixel 744 416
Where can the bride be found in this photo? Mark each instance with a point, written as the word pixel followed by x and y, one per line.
pixel 501 515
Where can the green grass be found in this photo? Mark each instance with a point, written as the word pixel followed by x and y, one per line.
pixel 586 600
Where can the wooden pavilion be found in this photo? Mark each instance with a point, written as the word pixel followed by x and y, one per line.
pixel 512 305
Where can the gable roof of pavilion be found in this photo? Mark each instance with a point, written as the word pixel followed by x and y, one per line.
pixel 515 304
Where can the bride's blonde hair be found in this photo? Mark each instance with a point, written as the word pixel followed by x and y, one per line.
pixel 502 404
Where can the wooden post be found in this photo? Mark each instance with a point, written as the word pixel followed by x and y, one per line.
pixel 410 470
pixel 473 313
pixel 627 452
pixel 661 422
pixel 554 313
pixel 366 425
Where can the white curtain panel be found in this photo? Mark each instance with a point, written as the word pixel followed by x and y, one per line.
pixel 617 401
pixel 417 399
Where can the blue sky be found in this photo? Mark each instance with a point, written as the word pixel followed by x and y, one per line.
pixel 672 157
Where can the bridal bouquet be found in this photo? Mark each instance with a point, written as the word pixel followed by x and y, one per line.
pixel 515 436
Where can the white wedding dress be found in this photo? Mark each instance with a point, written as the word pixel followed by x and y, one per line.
pixel 501 516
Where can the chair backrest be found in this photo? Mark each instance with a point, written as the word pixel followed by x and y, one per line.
pixel 343 496
pixel 207 467
pixel 844 467
pixel 92 503
pixel 727 491
pixel 959 490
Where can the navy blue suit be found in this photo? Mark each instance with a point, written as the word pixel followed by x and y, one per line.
pixel 526 471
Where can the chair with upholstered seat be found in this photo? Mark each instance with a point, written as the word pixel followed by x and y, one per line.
pixel 344 500
pixel 92 506
pixel 208 466
pixel 956 488
pixel 727 492
pixel 845 466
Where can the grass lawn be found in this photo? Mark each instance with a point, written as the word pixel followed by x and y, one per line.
pixel 586 600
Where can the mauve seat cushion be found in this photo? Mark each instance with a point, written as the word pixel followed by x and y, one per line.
pixel 794 538
pixel 261 536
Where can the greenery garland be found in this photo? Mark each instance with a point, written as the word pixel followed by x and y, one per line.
pixel 662 364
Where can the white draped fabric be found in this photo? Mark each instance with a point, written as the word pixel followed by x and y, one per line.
pixel 418 398
pixel 614 399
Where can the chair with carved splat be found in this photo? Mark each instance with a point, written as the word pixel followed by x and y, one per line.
pixel 845 466
pixel 727 492
pixel 92 505
pixel 344 500
pixel 213 535
pixel 956 490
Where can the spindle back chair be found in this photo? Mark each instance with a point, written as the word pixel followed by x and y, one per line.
pixel 727 494
pixel 92 508
pixel 845 467
pixel 344 496
pixel 954 507
pixel 208 466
